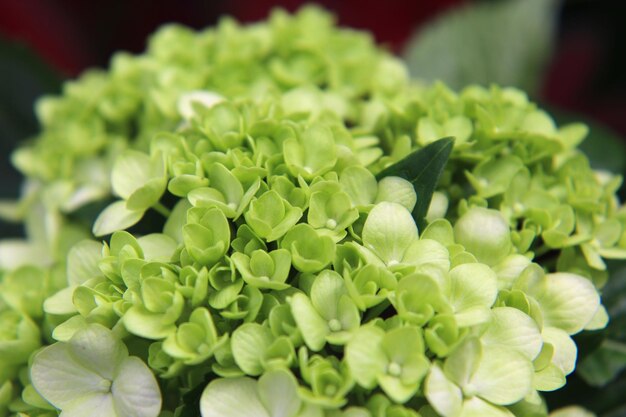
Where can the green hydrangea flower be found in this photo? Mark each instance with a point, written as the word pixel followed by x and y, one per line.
pixel 303 265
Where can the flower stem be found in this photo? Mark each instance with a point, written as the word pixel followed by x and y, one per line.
pixel 162 209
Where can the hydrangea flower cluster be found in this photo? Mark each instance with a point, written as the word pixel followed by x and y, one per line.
pixel 241 222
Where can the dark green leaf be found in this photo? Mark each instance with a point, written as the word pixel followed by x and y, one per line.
pixel 422 168
pixel 603 365
pixel 503 42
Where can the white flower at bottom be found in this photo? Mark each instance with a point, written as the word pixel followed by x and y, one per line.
pixel 92 374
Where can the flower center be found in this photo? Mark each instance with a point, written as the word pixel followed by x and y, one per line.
pixel 105 385
pixel 330 390
pixel 334 325
pixel 331 224
pixel 394 369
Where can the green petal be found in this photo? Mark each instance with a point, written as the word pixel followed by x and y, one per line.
pixel 396 389
pixel 472 285
pixel 428 252
pixel 568 301
pixel 510 328
pixel 249 342
pixel 115 217
pixel 365 357
pixel 143 323
pixel 503 376
pixel 82 261
pixel 444 396
pixel 475 407
pixel 396 190
pixel 326 291
pixel 232 397
pixel 135 390
pixel 130 172
pixel 313 327
pixel 157 247
pixel 565 351
pixel 463 362
pixel 549 378
pixel 146 196
pixel 278 393
pixel 484 233
pixel 360 184
pixel 97 349
pixel 388 231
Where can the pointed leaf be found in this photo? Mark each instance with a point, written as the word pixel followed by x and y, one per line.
pixel 423 169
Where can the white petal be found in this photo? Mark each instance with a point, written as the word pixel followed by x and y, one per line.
pixel 135 390
pixel 61 380
pixel 96 405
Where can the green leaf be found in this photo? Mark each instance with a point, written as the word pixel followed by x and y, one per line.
pixel 423 169
pixel 482 45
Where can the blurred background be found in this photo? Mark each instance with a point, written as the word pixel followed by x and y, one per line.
pixel 569 55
